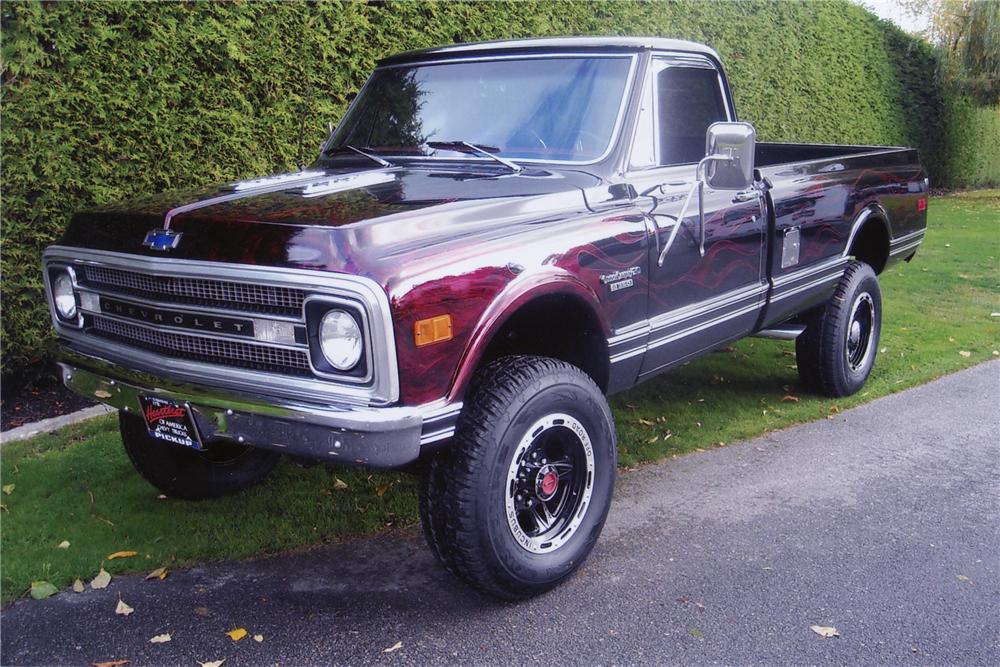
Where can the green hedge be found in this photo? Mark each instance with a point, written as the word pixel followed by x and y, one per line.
pixel 103 101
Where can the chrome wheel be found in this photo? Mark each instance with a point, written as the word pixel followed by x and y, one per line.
pixel 549 483
pixel 859 346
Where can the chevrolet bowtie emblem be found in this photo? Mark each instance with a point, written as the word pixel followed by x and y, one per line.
pixel 162 239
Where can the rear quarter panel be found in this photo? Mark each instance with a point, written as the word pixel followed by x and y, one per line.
pixel 824 199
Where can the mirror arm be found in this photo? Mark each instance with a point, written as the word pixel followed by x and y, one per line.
pixel 677 223
pixel 699 185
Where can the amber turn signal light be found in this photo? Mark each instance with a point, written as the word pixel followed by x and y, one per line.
pixel 432 330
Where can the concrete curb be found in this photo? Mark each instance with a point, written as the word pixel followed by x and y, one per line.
pixel 53 423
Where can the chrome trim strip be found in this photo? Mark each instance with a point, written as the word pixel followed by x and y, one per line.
pixel 437 436
pixel 439 414
pixel 802 288
pixel 906 248
pixel 688 312
pixel 619 121
pixel 705 325
pixel 808 271
pixel 630 332
pixel 622 356
pixel 906 237
pixel 375 302
pixel 232 195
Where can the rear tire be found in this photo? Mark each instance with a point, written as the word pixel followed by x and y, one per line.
pixel 180 472
pixel 517 502
pixel 836 353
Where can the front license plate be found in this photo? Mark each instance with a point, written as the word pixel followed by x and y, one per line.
pixel 170 421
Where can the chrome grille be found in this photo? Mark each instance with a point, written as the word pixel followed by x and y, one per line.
pixel 264 299
pixel 214 350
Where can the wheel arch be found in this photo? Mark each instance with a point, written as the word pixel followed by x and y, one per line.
pixel 870 237
pixel 532 315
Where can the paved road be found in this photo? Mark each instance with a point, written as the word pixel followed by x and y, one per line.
pixel 882 522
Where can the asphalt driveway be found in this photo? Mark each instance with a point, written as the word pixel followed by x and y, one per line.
pixel 883 522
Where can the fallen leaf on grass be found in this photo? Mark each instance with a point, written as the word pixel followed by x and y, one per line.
pixel 339 484
pixel 237 634
pixel 8 489
pixel 158 573
pixel 111 663
pixel 258 638
pixel 160 639
pixel 646 422
pixel 382 488
pixel 965 353
pixel 102 579
pixel 789 399
pixel 78 586
pixel 42 589
pixel 63 545
pixel 212 663
pixel 121 554
pixel 824 631
pixel 122 608
pixel 394 647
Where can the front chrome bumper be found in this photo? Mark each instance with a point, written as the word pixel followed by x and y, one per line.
pixel 379 437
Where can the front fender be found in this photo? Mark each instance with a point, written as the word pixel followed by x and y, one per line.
pixel 528 286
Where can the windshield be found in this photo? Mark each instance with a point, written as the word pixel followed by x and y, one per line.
pixel 551 109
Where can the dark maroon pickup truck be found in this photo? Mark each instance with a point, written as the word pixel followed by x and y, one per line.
pixel 495 237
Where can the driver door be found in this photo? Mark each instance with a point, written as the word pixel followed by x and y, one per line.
pixel 702 294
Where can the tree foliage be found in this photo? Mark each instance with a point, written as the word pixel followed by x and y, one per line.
pixel 102 101
pixel 969 33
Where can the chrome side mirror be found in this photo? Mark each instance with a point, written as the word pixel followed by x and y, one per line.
pixel 727 165
pixel 729 153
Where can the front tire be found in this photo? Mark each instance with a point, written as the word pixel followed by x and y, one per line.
pixel 518 501
pixel 179 472
pixel 836 353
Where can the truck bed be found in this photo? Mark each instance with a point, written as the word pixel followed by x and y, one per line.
pixel 818 192
pixel 770 154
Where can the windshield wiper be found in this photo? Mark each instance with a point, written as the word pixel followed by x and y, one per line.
pixel 370 156
pixel 466 147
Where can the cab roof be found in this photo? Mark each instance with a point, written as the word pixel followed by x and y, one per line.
pixel 553 44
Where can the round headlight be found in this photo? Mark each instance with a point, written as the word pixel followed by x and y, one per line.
pixel 340 340
pixel 62 294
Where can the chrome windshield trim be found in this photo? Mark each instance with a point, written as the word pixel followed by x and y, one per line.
pixel 383 389
pixel 612 142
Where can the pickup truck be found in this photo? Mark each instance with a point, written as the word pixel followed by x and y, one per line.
pixel 494 238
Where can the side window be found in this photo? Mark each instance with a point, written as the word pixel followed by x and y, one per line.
pixel 644 144
pixel 688 100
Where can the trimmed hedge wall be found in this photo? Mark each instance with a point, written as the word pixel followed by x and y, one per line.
pixel 103 101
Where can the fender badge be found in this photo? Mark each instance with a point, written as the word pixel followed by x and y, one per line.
pixel 162 239
pixel 622 279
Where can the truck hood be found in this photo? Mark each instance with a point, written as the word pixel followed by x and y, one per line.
pixel 367 221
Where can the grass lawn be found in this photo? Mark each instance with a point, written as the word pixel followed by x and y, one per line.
pixel 78 485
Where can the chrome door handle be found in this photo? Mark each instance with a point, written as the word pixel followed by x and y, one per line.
pixel 746 195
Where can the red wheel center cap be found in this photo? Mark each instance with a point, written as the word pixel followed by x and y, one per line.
pixel 548 482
